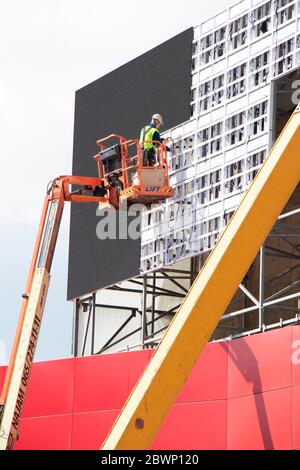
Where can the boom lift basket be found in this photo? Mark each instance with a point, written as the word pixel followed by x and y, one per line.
pixel 127 177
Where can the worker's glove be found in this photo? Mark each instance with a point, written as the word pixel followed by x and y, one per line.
pixel 172 150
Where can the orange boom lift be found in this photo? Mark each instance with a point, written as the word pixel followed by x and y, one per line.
pixel 205 303
pixel 120 177
pixel 127 177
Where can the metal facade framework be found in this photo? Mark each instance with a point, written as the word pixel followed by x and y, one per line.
pixel 272 300
pixel 143 322
pixel 237 56
pixel 269 302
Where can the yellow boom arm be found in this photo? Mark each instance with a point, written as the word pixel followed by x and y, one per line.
pixel 210 294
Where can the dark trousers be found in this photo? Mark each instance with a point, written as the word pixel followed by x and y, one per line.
pixel 149 157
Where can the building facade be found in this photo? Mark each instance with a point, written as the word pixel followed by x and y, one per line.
pixel 241 73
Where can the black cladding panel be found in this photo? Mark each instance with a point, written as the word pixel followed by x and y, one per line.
pixel 121 102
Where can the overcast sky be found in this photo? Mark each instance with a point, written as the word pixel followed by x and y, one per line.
pixel 48 50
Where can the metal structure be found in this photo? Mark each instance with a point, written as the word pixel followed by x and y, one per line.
pixel 144 321
pixel 237 57
pixel 217 155
pixel 144 183
pixel 269 301
pixel 30 318
pixel 245 67
pixel 195 319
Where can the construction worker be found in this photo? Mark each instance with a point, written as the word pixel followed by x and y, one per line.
pixel 148 139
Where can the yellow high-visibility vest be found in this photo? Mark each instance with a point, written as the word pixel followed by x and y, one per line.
pixel 146 137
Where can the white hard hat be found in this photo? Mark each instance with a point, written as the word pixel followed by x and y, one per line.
pixel 158 117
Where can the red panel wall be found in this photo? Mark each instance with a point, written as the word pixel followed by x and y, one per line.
pixel 90 429
pixel 259 363
pixel 242 394
pixel 100 385
pixel 208 379
pixel 199 425
pixel 46 432
pixel 295 354
pixel 296 417
pixel 260 421
pixel 50 389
